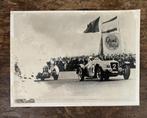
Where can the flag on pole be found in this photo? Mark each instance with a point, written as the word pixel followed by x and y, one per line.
pixel 93 26
pixel 110 42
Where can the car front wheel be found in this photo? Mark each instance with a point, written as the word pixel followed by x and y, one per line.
pixel 106 75
pixel 42 78
pixel 99 74
pixel 81 74
pixel 55 76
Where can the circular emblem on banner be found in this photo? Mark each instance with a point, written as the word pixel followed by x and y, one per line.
pixel 112 42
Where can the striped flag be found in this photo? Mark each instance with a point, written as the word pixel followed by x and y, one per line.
pixel 110 25
pixel 93 26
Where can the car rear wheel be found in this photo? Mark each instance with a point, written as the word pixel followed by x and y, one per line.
pixel 126 72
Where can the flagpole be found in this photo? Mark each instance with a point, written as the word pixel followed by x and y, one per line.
pixel 102 48
pixel 101 45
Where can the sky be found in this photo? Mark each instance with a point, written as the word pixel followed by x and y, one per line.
pixel 42 35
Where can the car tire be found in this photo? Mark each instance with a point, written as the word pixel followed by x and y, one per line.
pixel 42 78
pixel 81 74
pixel 55 77
pixel 126 72
pixel 39 75
pixel 99 73
pixel 106 76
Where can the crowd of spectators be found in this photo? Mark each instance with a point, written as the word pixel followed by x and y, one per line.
pixel 71 63
pixel 121 58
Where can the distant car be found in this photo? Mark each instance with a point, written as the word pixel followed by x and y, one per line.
pixel 48 73
pixel 103 69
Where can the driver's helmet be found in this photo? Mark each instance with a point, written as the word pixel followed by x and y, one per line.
pixel 45 69
pixel 49 64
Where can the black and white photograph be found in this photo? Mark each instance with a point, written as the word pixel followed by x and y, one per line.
pixel 75 58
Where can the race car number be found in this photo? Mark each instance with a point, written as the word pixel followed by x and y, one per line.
pixel 114 66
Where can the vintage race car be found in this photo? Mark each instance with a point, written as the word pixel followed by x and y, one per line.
pixel 103 69
pixel 47 74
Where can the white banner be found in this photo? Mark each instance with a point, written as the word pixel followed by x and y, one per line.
pixel 112 43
